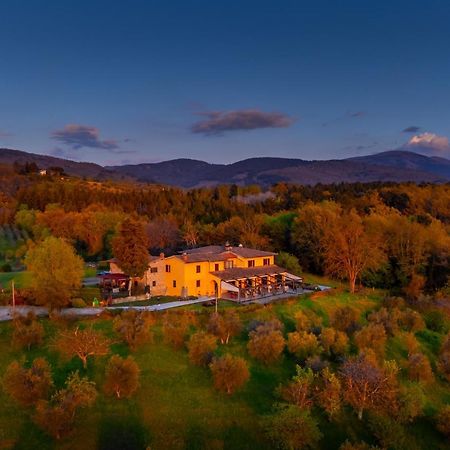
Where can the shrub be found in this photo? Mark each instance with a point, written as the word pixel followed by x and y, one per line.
pixel 78 303
pixel 371 337
pixel 411 320
pixel 229 373
pixel 334 342
pixel 5 267
pixel 436 321
pixel 344 319
pixel 201 346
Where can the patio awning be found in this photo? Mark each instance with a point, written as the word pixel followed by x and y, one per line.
pixel 292 277
pixel 228 287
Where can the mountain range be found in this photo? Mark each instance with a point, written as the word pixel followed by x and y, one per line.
pixel 395 165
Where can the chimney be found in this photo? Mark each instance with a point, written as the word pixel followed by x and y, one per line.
pixel 228 247
pixel 184 256
pixel 161 256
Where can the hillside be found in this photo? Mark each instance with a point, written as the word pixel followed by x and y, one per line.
pixel 397 166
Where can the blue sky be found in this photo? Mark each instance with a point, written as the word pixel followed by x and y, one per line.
pixel 141 81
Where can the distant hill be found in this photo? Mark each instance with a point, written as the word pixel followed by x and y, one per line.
pixel 398 166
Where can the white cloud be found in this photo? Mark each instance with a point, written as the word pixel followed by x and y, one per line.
pixel 429 144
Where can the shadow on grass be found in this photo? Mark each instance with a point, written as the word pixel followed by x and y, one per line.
pixel 122 433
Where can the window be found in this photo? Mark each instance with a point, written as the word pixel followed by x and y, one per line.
pixel 197 283
pixel 216 267
pixel 266 262
pixel 174 283
pixel 229 264
pixel 251 263
pixel 198 269
pixel 153 269
pixel 153 283
pixel 168 268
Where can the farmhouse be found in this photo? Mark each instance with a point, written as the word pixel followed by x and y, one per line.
pixel 236 273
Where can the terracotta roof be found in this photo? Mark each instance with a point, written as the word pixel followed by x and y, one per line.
pixel 248 272
pixel 244 252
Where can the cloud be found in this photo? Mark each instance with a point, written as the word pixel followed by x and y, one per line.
pixel 79 136
pixel 347 115
pixel 411 129
pixel 356 114
pixel 219 122
pixel 429 144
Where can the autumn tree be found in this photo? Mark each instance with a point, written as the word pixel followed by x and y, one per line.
pixel 201 346
pixel 27 385
pixel 229 373
pixel 350 249
pixel 299 391
pixel 367 386
pixel 411 403
pixel 344 318
pixel 372 336
pixel 133 328
pixel 225 326
pixel 329 392
pixel 27 331
pixel 419 368
pixel 292 428
pixel 443 421
pixel 56 272
pixel 334 342
pixel 266 344
pixel 82 343
pixel 57 415
pixel 175 328
pixel 303 344
pixel 130 248
pixel 121 377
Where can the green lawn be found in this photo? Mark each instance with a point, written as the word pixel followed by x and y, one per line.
pixel 21 279
pixel 177 407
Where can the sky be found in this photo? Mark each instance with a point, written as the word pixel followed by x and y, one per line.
pixel 119 82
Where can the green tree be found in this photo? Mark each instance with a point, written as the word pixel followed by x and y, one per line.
pixel 56 271
pixel 292 428
pixel 130 248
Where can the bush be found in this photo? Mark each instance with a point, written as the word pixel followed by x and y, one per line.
pixel 344 319
pixel 303 344
pixel 27 331
pixel 78 303
pixel 443 421
pixel 5 267
pixel 436 321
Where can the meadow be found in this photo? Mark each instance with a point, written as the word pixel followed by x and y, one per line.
pixel 177 407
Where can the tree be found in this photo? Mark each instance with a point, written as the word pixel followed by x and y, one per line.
pixel 443 421
pixel 419 368
pixel 121 377
pixel 133 328
pixel 201 346
pixel 225 326
pixel 266 344
pixel 56 271
pixel 329 393
pixel 350 249
pixel 175 328
pixel 412 401
pixel 303 344
pixel 27 331
pixel 372 337
pixel 368 387
pixel 292 428
pixel 345 319
pixel 130 248
pixel 229 373
pixel 28 385
pixel 299 391
pixel 289 262
pixel 56 416
pixel 334 342
pixel 82 344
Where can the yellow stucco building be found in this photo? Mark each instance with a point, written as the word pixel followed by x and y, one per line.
pixel 230 272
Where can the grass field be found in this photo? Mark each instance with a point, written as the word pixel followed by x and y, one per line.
pixel 177 407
